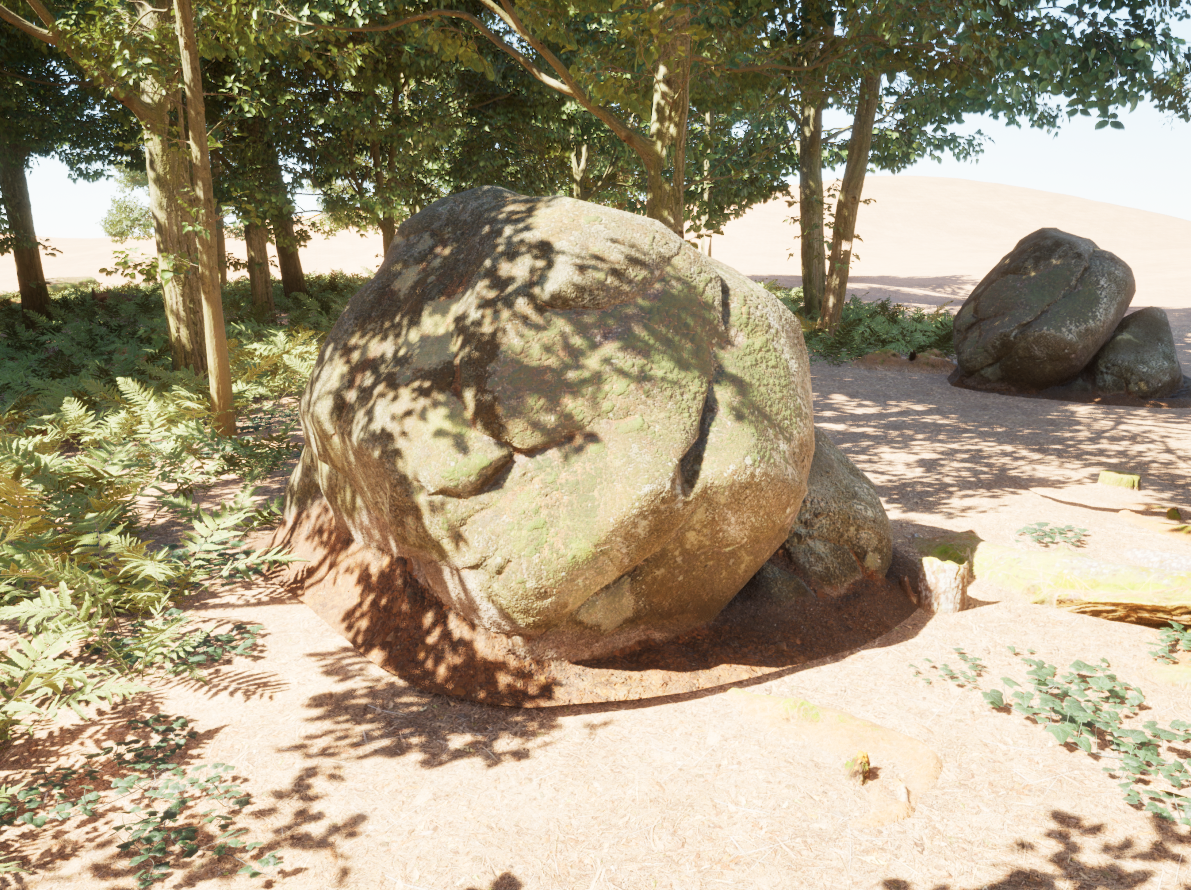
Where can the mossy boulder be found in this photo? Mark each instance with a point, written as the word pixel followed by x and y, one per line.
pixel 1041 314
pixel 841 533
pixel 1139 358
pixel 578 430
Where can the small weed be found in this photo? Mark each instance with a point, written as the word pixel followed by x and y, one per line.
pixel 1046 534
pixel 1172 640
pixel 1087 708
pixel 966 676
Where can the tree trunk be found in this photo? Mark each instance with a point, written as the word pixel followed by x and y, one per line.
pixel 843 232
pixel 167 166
pixel 388 230
pixel 260 283
pixel 221 248
pixel 810 203
pixel 579 180
pixel 664 199
pixel 219 370
pixel 14 190
pixel 289 262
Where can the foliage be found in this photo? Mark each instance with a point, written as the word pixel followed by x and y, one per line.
pixel 1046 534
pixel 1172 640
pixel 869 326
pixel 967 676
pixel 128 216
pixel 1089 708
pixel 94 422
pixel 167 812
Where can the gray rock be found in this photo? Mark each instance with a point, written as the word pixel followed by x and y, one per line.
pixel 1041 314
pixel 841 533
pixel 579 431
pixel 1139 358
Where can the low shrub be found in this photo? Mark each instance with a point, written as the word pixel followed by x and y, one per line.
pixel 869 326
pixel 1090 709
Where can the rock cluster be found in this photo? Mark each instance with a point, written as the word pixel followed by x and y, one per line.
pixel 1052 313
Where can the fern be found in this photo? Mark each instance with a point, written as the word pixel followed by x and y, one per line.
pixel 95 425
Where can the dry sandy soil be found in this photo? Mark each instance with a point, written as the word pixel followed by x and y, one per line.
pixel 360 781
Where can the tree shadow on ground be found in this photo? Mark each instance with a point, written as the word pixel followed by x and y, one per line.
pixel 365 717
pixel 931 453
pixel 1076 840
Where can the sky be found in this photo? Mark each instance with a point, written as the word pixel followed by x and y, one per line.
pixel 1144 166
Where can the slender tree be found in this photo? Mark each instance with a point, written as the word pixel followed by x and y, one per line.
pixel 146 57
pixel 48 110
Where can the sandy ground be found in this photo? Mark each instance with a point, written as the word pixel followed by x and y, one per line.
pixel 360 781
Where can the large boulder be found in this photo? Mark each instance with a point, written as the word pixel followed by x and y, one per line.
pixel 1041 314
pixel 841 533
pixel 1139 358
pixel 579 431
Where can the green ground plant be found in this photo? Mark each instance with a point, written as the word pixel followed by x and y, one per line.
pixel 1045 534
pixel 866 327
pixel 163 812
pixel 96 432
pixel 1090 709
pixel 1172 640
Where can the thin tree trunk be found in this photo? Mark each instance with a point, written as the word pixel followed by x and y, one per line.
pixel 289 262
pixel 221 248
pixel 216 159
pixel 260 283
pixel 14 189
pixel 579 179
pixel 843 232
pixel 667 130
pixel 388 230
pixel 219 370
pixel 167 163
pixel 708 121
pixel 810 204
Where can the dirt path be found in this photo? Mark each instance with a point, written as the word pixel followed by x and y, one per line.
pixel 362 782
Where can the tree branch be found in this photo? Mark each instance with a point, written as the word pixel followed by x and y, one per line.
pixel 564 83
pixel 621 130
pixel 28 27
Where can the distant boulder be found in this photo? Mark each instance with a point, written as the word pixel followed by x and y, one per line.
pixel 1041 314
pixel 1139 358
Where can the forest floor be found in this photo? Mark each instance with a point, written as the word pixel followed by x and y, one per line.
pixel 360 780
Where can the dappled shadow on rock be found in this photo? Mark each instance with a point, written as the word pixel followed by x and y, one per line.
pixel 374 601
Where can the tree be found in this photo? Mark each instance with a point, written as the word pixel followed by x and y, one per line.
pixel 128 217
pixel 632 67
pixel 127 50
pixel 48 110
pixel 940 61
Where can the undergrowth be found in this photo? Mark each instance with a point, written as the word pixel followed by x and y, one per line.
pixel 870 326
pixel 1090 709
pixel 162 812
pixel 99 438
pixel 1172 640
